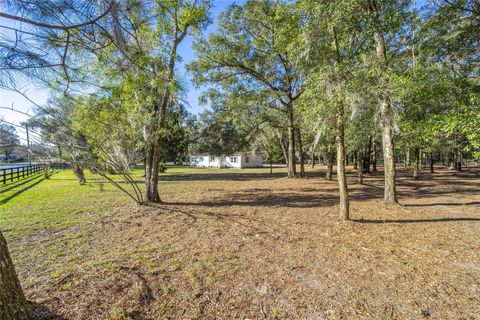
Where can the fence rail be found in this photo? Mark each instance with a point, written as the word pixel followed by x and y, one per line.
pixel 17 173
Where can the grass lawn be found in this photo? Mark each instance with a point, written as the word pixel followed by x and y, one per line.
pixel 244 244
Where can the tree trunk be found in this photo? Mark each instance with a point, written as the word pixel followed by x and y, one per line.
pixel 451 160
pixel 421 158
pixel 458 161
pixel 407 158
pixel 292 171
pixel 313 160
pixel 374 154
pixel 340 142
pixel 360 166
pixel 271 166
pixel 282 144
pixel 367 157
pixel 390 195
pixel 13 304
pixel 431 163
pixel 152 169
pixel 300 151
pixel 417 163
pixel 342 180
pixel 355 162
pixel 78 171
pixel 329 164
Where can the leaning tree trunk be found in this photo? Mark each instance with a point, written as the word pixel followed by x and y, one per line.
pixel 292 171
pixel 78 171
pixel 342 180
pixel 13 304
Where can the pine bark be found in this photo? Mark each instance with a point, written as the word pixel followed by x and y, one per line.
pixel 13 304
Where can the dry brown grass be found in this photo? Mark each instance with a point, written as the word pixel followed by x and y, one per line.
pixel 251 246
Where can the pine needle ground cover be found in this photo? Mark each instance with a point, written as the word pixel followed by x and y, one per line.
pixel 244 244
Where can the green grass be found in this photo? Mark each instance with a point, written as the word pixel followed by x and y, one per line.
pixel 35 204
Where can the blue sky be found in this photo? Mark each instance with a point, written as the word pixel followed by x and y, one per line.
pixel 187 54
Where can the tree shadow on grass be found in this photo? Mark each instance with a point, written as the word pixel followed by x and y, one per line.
pixel 18 192
pixel 19 183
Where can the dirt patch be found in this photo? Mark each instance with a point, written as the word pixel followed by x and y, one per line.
pixel 260 247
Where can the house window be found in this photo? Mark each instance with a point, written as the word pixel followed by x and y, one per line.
pixel 233 159
pixel 193 159
pixel 247 159
pixel 200 159
pixel 212 158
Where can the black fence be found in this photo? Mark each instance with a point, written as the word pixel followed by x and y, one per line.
pixel 59 166
pixel 17 173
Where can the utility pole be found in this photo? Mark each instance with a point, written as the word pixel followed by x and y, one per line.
pixel 28 145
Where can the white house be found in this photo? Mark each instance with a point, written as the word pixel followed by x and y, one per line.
pixel 237 160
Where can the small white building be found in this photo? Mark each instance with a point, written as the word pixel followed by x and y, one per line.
pixel 237 160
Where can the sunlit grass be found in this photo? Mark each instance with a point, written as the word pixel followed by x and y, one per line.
pixel 35 203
